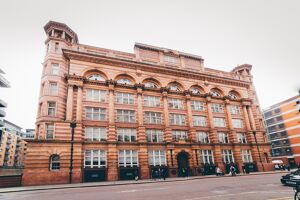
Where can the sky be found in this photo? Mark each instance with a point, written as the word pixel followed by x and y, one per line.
pixel 227 33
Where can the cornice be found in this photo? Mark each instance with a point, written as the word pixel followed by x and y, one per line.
pixel 119 62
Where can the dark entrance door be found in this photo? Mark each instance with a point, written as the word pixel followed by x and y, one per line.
pixel 292 162
pixel 183 164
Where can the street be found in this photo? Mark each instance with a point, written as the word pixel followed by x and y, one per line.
pixel 256 187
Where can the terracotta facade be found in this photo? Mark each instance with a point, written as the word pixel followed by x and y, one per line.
pixel 283 126
pixel 123 97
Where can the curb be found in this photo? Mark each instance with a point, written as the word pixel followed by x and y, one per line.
pixel 83 185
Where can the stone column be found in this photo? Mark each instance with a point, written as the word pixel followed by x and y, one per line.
pixel 252 122
pixel 69 111
pixel 79 105
pixel 218 157
pixel 192 131
pixel 232 134
pixel 212 133
pixel 168 131
pixel 141 129
pixel 112 162
pixel 111 114
pixel 247 121
pixel 209 113
pixel 143 162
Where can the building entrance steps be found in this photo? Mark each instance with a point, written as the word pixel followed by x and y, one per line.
pixel 116 183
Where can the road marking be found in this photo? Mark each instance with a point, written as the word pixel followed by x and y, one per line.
pixel 242 193
pixel 141 190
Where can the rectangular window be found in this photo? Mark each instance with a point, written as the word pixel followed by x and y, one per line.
pixel 49 131
pixel 217 108
pixel 241 138
pixel 95 95
pixel 177 119
pixel 53 88
pixel 219 122
pixel 197 105
pixel 151 101
pixel 94 158
pixel 154 135
pixel 175 103
pixel 202 137
pixel 92 113
pixel 235 110
pixel 51 108
pixel 128 158
pixel 55 69
pixel 152 118
pixel 126 116
pixel 126 134
pixel 246 156
pixel 223 137
pixel 199 120
pixel 237 123
pixel 206 157
pixel 95 134
pixel 125 98
pixel 157 158
pixel 179 135
pixel 227 156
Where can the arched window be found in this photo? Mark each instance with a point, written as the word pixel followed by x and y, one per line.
pixel 96 77
pixel 150 85
pixel 195 90
pixel 233 95
pixel 124 81
pixel 174 87
pixel 54 162
pixel 215 93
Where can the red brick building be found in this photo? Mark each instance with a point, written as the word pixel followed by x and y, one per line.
pixel 138 112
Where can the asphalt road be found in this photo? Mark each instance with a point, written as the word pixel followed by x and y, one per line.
pixel 257 187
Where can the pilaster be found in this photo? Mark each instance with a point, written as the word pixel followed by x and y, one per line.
pixel 111 114
pixel 79 105
pixel 141 128
pixel 168 131
pixel 192 131
pixel 69 103
pixel 112 163
pixel 209 113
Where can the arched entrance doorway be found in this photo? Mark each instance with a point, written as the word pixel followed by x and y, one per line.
pixel 183 164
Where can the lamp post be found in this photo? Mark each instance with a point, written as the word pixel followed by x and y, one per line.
pixel 254 133
pixel 73 126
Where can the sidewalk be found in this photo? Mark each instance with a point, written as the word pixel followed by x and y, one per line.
pixel 116 183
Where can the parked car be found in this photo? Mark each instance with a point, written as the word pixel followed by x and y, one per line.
pixel 291 179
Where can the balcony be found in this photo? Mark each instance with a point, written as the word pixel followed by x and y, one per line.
pixel 3 104
pixel 2 113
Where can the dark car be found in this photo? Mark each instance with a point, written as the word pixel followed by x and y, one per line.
pixel 290 179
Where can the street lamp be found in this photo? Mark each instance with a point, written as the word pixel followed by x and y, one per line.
pixel 254 133
pixel 73 126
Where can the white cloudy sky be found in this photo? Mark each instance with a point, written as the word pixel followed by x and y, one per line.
pixel 225 33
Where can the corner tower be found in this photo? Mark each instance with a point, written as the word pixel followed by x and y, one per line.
pixel 53 121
